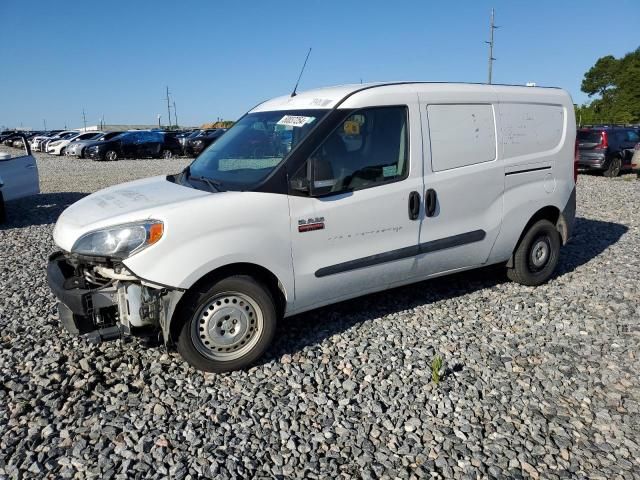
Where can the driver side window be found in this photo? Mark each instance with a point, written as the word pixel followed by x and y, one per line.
pixel 368 148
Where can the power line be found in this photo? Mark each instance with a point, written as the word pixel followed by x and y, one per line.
pixel 492 27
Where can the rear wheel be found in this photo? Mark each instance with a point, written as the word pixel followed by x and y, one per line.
pixel 537 255
pixel 111 155
pixel 166 154
pixel 228 326
pixel 615 165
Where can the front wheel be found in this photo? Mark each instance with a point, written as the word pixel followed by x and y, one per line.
pixel 228 326
pixel 111 155
pixel 615 165
pixel 537 255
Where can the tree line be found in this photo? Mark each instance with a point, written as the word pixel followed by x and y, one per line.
pixel 614 85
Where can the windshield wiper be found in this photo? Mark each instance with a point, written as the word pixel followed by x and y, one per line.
pixel 214 185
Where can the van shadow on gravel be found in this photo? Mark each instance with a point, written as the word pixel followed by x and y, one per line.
pixel 42 209
pixel 590 239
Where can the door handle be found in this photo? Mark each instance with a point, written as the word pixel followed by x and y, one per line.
pixel 414 205
pixel 430 202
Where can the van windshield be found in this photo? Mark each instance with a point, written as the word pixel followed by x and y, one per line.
pixel 253 147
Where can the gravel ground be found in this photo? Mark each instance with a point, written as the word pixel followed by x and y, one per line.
pixel 538 382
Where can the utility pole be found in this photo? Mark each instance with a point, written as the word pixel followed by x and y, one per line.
pixel 492 27
pixel 168 107
pixel 175 113
pixel 44 120
pixel 84 120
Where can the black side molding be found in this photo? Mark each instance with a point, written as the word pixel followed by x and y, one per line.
pixel 527 170
pixel 406 252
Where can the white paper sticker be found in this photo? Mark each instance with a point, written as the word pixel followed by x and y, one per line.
pixel 295 120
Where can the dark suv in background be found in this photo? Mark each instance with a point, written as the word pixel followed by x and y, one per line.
pixel 141 144
pixel 606 149
pixel 195 145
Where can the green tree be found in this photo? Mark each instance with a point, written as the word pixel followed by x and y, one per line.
pixel 616 85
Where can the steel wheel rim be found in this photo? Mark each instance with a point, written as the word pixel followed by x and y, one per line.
pixel 540 253
pixel 227 327
pixel 111 155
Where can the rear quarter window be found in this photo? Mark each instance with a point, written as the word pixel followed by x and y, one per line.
pixel 530 128
pixel 461 135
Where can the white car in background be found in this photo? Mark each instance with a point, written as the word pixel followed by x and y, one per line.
pixel 44 143
pixel 58 147
pixel 18 177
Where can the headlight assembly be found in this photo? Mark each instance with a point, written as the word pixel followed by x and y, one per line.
pixel 120 241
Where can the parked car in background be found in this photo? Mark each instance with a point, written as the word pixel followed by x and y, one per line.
pixel 18 176
pixel 184 139
pixel 7 133
pixel 41 145
pixel 8 139
pixel 606 149
pixel 635 160
pixel 66 135
pixel 135 144
pixel 36 140
pixel 58 147
pixel 77 148
pixel 197 144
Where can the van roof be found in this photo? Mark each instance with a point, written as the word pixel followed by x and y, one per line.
pixel 330 97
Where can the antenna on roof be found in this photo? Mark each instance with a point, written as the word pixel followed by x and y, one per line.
pixel 293 94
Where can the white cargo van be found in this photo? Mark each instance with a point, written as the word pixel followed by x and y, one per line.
pixel 316 198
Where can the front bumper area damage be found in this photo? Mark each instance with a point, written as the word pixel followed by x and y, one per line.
pixel 100 300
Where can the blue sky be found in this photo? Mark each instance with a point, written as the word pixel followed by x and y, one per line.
pixel 221 58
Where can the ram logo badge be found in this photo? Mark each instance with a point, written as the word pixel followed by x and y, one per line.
pixel 310 224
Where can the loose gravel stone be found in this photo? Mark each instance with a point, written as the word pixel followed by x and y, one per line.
pixel 537 382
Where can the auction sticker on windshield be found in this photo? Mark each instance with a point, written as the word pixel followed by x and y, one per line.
pixel 295 120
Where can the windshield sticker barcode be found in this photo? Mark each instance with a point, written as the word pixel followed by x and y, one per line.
pixel 295 120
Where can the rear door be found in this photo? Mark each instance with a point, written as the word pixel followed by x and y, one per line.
pixel 464 185
pixel 355 232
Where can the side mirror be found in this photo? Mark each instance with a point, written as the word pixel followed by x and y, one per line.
pixel 299 184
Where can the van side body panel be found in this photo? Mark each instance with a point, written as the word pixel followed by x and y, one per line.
pixel 537 131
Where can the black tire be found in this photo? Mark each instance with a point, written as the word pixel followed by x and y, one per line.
pixel 613 170
pixel 203 322
pixel 111 155
pixel 166 153
pixel 536 257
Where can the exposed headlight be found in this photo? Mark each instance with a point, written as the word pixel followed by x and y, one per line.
pixel 120 241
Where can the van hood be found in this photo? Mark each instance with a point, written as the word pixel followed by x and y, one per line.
pixel 125 203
